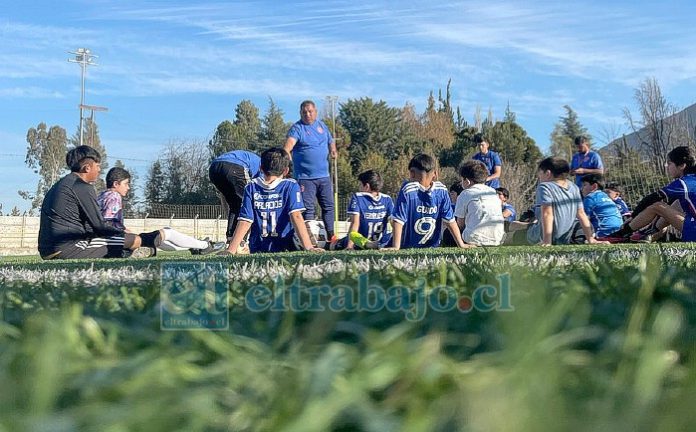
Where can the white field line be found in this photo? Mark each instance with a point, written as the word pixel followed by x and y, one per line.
pixel 263 270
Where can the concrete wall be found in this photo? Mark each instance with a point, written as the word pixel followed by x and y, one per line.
pixel 19 234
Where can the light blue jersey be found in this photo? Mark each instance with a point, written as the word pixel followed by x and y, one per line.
pixel 421 212
pixel 513 213
pixel 491 160
pixel 604 215
pixel 268 208
pixel 590 160
pixel 311 152
pixel 374 213
pixel 249 160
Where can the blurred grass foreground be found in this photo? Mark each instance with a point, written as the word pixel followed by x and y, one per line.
pixel 591 341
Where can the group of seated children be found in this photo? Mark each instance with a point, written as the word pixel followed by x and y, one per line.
pixel 469 214
pixel 424 213
pixel 77 224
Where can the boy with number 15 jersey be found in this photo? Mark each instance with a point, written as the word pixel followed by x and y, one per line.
pixel 370 211
pixel 422 207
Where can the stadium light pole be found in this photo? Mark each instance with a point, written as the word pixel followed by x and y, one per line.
pixel 83 57
pixel 332 101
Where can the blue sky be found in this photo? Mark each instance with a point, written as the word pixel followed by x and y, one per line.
pixel 174 69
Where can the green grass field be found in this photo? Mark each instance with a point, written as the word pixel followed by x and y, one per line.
pixel 591 338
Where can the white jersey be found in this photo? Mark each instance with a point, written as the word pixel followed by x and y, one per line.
pixel 480 208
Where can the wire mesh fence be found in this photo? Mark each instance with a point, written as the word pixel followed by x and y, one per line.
pixel 635 178
pixel 186 211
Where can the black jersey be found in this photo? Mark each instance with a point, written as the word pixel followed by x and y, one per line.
pixel 70 213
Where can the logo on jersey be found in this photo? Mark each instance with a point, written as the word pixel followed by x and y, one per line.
pixel 320 130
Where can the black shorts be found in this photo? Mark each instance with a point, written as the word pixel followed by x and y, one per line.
pixel 99 247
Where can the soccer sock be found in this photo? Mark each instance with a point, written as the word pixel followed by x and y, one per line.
pixel 624 231
pixel 171 247
pixel 182 240
pixel 151 239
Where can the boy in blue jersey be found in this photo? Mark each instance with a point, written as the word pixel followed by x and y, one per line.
pixel 272 209
pixel 454 190
pixel 614 193
pixel 603 213
pixel 422 207
pixel 673 204
pixel 230 173
pixel 509 213
pixel 370 213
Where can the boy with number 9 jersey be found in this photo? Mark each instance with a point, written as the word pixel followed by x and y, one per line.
pixel 421 208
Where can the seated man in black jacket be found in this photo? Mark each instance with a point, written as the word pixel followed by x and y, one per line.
pixel 71 223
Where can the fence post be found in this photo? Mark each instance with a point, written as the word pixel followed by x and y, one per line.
pixel 217 228
pixel 195 226
pixel 170 220
pixel 24 225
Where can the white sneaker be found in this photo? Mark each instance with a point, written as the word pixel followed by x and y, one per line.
pixel 144 252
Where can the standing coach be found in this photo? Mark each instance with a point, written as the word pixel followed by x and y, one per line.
pixel 309 144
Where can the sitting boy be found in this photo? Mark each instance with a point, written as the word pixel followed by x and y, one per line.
pixel 454 190
pixel 673 204
pixel 71 224
pixel 272 209
pixel 604 214
pixel 422 206
pixel 111 206
pixel 478 212
pixel 370 212
pixel 509 213
pixel 557 206
pixel 614 193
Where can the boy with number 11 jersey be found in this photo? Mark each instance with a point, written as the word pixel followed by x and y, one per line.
pixel 272 209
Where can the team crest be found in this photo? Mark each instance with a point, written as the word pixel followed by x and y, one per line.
pixel 320 130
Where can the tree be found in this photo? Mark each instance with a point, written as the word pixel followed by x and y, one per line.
pixel 90 137
pixel 155 186
pixel 223 140
pixel 371 126
pixel 564 132
pixel 247 126
pixel 46 156
pixel 180 176
pixel 393 172
pixel 347 180
pixel 463 148
pixel 658 129
pixel 437 127
pixel 130 201
pixel 513 144
pixel 273 128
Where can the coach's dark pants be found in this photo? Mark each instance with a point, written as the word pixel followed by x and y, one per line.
pixel 319 190
pixel 230 179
